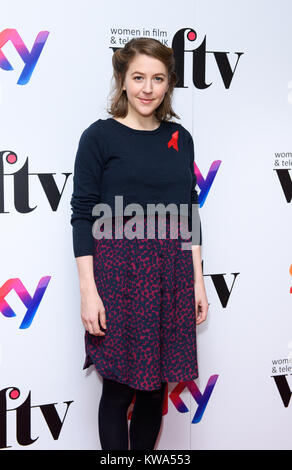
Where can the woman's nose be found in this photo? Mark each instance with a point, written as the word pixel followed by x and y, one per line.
pixel 147 86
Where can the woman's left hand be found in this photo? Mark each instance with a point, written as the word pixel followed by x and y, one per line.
pixel 201 301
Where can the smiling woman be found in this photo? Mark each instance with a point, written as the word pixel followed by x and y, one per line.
pixel 144 73
pixel 146 89
pixel 138 301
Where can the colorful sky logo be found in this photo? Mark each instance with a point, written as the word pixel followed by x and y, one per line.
pixel 29 58
pixel 205 184
pixel 31 303
pixel 201 399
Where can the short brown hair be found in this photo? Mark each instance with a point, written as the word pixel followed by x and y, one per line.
pixel 121 59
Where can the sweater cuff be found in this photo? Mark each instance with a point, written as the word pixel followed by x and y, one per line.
pixel 83 241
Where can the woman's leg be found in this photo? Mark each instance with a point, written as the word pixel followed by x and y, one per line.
pixel 146 418
pixel 112 415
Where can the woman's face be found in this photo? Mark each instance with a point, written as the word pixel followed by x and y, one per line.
pixel 146 83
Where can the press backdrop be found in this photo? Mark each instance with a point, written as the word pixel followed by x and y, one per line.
pixel 235 97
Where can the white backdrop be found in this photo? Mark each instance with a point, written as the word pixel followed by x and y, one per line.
pixel 242 135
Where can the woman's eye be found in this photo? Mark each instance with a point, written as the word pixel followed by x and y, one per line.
pixel 159 78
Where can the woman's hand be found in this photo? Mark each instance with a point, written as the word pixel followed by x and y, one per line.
pixel 93 312
pixel 201 301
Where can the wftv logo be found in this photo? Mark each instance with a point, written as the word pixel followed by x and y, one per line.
pixel 283 388
pixel 23 418
pixel 201 399
pixel 29 58
pixel 285 182
pixel 180 45
pixel 31 303
pixel 21 185
pixel 280 367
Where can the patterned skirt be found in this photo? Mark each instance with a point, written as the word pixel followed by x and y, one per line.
pixel 147 288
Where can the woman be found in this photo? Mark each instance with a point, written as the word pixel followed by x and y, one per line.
pixel 139 296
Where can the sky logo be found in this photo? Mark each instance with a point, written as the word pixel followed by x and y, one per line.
pixel 201 399
pixel 205 184
pixel 29 58
pixel 31 303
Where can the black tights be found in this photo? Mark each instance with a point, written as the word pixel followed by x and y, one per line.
pixel 112 416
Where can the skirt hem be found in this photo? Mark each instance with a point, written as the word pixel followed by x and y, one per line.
pixel 169 378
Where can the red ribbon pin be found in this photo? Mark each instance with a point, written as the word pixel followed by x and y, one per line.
pixel 173 141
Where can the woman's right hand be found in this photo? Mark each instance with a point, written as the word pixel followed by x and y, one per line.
pixel 93 312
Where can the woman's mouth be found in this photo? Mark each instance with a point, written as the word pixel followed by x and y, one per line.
pixel 145 101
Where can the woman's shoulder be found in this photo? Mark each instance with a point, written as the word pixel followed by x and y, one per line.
pixel 100 125
pixel 95 133
pixel 180 127
pixel 93 137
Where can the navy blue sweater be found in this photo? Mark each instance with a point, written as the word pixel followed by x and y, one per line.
pixel 143 166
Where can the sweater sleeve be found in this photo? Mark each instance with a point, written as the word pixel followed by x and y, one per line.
pixel 88 169
pixel 197 229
